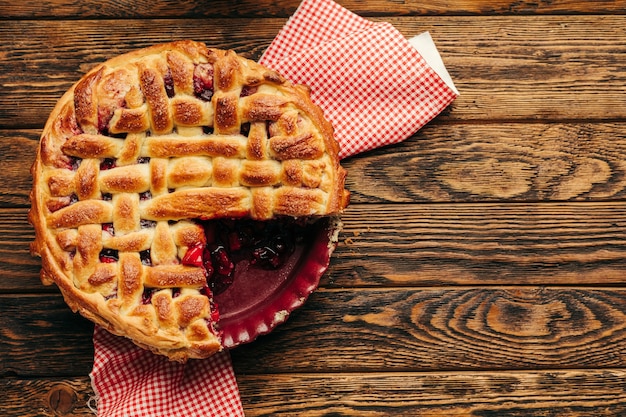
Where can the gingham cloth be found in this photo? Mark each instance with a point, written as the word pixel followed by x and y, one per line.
pixel 376 89
pixel 133 382
pixel 373 85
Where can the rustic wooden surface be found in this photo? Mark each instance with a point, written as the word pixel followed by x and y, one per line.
pixel 482 266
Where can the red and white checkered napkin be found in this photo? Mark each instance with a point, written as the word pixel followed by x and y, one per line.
pixel 133 382
pixel 376 89
pixel 373 85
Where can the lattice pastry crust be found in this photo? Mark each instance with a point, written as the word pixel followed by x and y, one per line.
pixel 143 146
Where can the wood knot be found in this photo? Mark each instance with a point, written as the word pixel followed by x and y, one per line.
pixel 62 399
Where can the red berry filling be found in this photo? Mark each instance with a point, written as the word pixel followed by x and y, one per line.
pixel 73 163
pixel 104 117
pixel 264 245
pixel 193 257
pixel 215 315
pixel 203 81
pixel 146 297
pixel 109 256
pixel 248 90
pixel 108 227
pixel 169 84
pixel 222 267
pixel 107 163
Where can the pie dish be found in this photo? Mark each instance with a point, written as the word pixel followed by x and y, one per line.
pixel 260 299
pixel 160 172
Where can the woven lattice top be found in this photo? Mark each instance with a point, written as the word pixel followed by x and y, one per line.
pixel 144 146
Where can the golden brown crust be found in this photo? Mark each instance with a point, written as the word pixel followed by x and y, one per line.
pixel 144 144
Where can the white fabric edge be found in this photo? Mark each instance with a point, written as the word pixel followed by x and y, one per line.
pixel 425 45
pixel 92 402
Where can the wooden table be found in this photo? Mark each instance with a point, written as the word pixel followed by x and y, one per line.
pixel 482 266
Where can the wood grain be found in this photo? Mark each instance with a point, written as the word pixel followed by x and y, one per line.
pixel 383 330
pixel 434 244
pixel 123 9
pixel 541 68
pixel 481 244
pixel 520 394
pixel 437 329
pixel 496 162
pixel 17 152
pixel 19 271
pixel 38 320
pixel 68 397
pixel 487 394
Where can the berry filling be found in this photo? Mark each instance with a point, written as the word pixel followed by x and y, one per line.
pixel 73 163
pixel 169 84
pixel 248 90
pixel 108 227
pixel 107 163
pixel 245 129
pixel 203 81
pixel 193 256
pixel 104 117
pixel 230 243
pixel 109 256
pixel 147 224
pixel 145 257
pixel 146 195
pixel 146 297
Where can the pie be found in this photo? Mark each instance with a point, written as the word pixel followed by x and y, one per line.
pixel 162 166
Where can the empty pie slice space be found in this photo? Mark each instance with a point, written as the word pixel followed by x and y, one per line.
pixel 162 168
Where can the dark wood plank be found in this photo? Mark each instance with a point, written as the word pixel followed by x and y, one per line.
pixel 426 245
pixel 70 397
pixel 503 394
pixel 572 393
pixel 450 244
pixel 495 162
pixel 17 152
pixel 41 336
pixel 507 68
pixel 19 271
pixel 445 329
pixel 369 330
pixel 32 9
pixel 513 162
pixel 533 68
